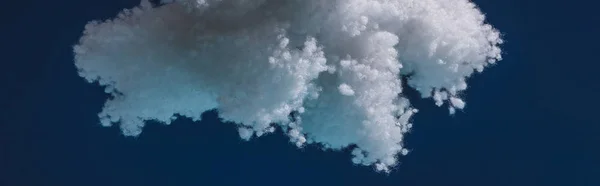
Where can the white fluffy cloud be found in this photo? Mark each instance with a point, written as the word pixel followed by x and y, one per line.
pixel 336 64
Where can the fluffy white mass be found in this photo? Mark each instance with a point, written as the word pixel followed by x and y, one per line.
pixel 326 72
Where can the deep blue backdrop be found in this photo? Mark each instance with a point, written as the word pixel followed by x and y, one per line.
pixel 531 120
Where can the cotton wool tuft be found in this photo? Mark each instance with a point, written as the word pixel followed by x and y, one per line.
pixel 335 66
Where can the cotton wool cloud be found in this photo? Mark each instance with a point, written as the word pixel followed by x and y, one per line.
pixel 336 64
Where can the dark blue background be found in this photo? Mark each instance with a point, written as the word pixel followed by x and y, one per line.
pixel 531 120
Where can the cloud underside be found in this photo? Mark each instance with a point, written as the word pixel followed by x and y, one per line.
pixel 336 64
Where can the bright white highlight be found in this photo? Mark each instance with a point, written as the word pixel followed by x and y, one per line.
pixel 336 64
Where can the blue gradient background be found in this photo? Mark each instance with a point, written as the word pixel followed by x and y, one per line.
pixel 531 120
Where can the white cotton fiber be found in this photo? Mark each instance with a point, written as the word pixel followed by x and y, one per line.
pixel 337 64
pixel 346 90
